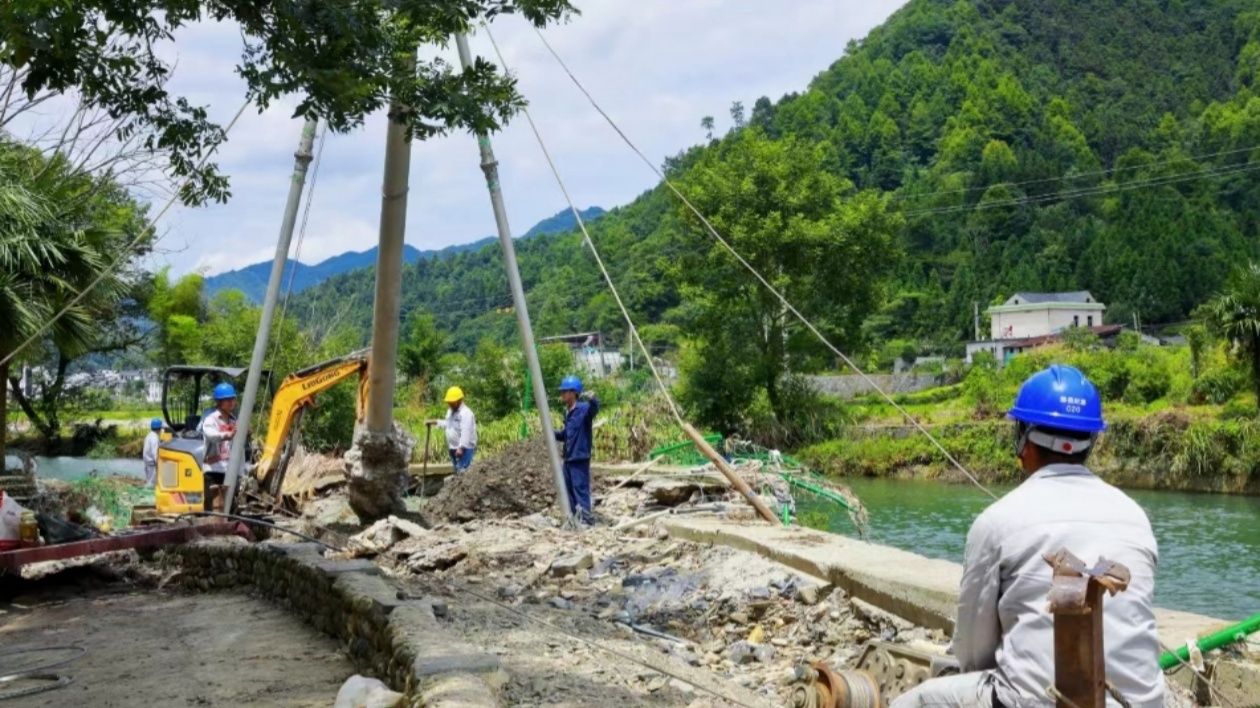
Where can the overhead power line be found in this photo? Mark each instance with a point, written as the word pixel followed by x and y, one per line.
pixel 783 300
pixel 1089 191
pixel 1079 175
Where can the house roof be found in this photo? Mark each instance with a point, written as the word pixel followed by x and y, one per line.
pixel 1079 296
pixel 1102 331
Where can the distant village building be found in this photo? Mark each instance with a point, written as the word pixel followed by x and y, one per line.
pixel 594 358
pixel 1029 320
pixel 1027 315
pixel 146 383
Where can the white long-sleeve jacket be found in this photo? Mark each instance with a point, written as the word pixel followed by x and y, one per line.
pixel 214 429
pixel 461 428
pixel 151 442
pixel 1003 622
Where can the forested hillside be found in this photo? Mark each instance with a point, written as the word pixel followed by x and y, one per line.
pixel 1108 145
pixel 252 279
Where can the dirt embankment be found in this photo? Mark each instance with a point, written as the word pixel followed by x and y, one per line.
pixel 515 483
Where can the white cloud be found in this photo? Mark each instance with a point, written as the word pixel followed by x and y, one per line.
pixel 657 67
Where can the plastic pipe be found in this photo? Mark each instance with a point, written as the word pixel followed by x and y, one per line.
pixel 1215 640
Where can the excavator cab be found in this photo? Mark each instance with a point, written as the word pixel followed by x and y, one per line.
pixel 186 398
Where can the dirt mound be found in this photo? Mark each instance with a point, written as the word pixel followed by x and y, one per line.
pixel 517 482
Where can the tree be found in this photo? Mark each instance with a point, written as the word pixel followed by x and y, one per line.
pixel 64 231
pixel 737 114
pixel 344 60
pixel 177 311
pixel 1197 339
pixel 87 136
pixel 420 354
pixel 706 124
pixel 25 264
pixel 1234 315
pixel 826 247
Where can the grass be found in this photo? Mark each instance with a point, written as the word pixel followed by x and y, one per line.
pixel 1166 425
pixel 111 496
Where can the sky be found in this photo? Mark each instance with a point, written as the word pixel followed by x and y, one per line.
pixel 656 66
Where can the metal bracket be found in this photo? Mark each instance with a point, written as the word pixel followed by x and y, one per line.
pixel 1076 594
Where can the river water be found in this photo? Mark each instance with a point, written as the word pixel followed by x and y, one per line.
pixel 1209 544
pixel 72 468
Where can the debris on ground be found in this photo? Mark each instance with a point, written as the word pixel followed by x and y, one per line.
pixel 362 692
pixel 730 618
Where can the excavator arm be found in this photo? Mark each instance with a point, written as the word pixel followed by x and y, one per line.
pixel 293 397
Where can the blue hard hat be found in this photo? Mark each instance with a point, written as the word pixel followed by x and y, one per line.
pixel 1059 397
pixel 155 423
pixel 223 391
pixel 571 383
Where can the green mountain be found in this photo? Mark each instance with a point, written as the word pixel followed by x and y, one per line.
pixel 1108 145
pixel 252 279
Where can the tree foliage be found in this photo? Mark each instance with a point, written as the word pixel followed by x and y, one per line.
pixel 62 231
pixel 343 60
pixel 823 246
pixel 1234 315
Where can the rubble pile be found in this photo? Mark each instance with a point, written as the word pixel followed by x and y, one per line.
pixel 740 618
pixel 517 482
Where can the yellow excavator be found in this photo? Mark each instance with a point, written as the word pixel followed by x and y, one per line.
pixel 186 390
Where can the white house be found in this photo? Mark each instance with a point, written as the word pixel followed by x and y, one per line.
pixel 1027 315
pixel 1027 319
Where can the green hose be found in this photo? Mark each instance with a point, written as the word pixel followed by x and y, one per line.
pixel 1215 640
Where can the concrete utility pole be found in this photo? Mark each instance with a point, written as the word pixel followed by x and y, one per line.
pixel 975 309
pixel 491 167
pixel 301 162
pixel 377 463
pixel 389 257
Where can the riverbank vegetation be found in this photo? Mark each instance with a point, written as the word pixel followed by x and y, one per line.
pixel 1179 417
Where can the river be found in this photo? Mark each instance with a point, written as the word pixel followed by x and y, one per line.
pixel 72 468
pixel 1209 544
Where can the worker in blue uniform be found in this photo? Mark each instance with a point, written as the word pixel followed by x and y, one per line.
pixel 577 436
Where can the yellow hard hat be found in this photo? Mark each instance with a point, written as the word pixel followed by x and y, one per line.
pixel 454 393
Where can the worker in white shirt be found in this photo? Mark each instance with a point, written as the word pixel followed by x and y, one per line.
pixel 461 429
pixel 1004 635
pixel 151 442
pixel 218 429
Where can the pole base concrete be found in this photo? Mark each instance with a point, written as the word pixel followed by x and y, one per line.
pixel 377 468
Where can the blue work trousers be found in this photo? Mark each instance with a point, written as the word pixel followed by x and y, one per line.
pixel 461 463
pixel 577 482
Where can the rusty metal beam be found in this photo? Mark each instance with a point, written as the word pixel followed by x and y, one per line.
pixel 1076 602
pixel 14 560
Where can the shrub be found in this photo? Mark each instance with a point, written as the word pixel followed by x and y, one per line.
pixel 1218 386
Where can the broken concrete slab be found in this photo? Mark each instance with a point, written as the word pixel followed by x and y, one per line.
pixel 333 568
pixel 572 564
pixel 382 594
pixel 678 490
pixel 474 663
pixel 921 590
pixel 439 558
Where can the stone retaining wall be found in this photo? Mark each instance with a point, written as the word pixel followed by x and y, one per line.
pixel 387 634
pixel 851 385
